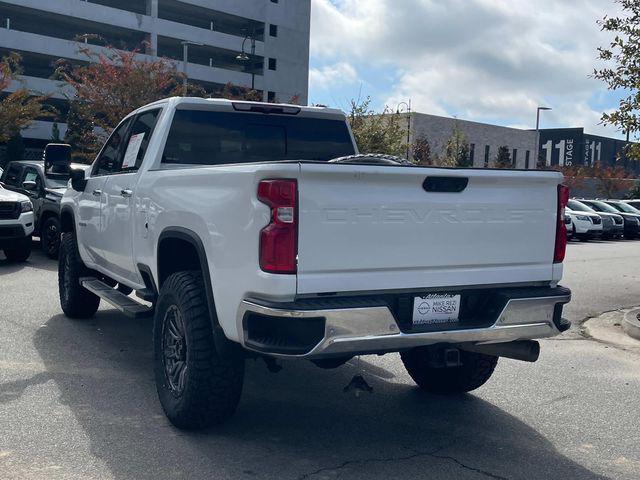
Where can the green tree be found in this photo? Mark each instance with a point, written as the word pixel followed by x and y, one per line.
pixel 377 132
pixel 15 148
pixel 55 133
pixel 622 70
pixel 80 135
pixel 503 158
pixel 421 151
pixel 456 150
pixel 634 193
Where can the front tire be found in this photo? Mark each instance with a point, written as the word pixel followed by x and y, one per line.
pixel 198 386
pixel 19 252
pixel 474 371
pixel 75 300
pixel 50 237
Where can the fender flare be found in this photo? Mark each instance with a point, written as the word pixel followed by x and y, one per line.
pixel 64 226
pixel 222 343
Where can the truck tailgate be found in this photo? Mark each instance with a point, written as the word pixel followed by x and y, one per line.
pixel 364 228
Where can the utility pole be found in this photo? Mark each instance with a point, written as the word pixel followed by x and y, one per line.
pixel 537 157
pixel 185 60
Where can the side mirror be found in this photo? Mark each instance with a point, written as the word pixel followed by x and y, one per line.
pixel 30 185
pixel 78 182
pixel 57 158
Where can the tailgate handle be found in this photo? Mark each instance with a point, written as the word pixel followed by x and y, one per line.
pixel 445 184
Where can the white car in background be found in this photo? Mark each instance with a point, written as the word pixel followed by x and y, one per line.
pixel 584 225
pixel 16 225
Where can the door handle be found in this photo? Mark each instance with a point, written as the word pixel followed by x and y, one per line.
pixel 97 193
pixel 126 193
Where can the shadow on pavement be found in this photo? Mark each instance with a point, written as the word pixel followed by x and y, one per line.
pixel 294 425
pixel 37 260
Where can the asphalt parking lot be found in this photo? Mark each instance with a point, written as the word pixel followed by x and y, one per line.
pixel 77 401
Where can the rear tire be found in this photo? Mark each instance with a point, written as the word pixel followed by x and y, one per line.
pixel 75 300
pixel 50 237
pixel 20 252
pixel 198 386
pixel 474 372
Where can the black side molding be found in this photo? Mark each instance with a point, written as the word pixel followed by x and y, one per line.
pixel 445 184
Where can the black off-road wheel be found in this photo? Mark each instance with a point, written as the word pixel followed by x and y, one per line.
pixel 75 300
pixel 50 237
pixel 198 386
pixel 474 371
pixel 19 252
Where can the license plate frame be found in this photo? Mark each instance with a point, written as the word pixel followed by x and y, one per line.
pixel 436 309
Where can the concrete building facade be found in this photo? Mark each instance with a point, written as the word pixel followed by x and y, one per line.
pixel 273 34
pixel 484 139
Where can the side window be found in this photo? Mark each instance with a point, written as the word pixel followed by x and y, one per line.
pixel 13 176
pixel 139 139
pixel 31 175
pixel 110 158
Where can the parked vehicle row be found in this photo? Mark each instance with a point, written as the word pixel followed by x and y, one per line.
pixel 43 182
pixel 607 219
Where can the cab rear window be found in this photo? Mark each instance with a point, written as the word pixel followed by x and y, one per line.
pixel 216 138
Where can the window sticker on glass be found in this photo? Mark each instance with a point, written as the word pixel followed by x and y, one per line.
pixel 133 148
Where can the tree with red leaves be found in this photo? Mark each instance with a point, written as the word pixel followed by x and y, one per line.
pixel 112 85
pixel 574 177
pixel 115 83
pixel 20 108
pixel 613 182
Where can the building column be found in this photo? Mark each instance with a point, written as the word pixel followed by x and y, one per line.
pixel 152 11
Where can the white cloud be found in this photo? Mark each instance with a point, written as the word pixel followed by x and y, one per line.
pixel 478 59
pixel 330 76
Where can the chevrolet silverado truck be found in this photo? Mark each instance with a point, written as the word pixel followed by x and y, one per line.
pixel 16 225
pixel 257 230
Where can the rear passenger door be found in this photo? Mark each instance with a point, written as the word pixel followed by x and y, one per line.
pixel 118 207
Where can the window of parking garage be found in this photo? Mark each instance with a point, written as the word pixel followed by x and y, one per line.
pixel 67 28
pixel 35 64
pixel 210 56
pixel 201 17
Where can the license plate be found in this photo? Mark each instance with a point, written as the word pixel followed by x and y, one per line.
pixel 435 309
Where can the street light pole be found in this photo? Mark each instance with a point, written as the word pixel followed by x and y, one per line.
pixel 185 60
pixel 408 106
pixel 243 57
pixel 538 133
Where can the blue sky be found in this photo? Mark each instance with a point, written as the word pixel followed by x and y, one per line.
pixel 484 60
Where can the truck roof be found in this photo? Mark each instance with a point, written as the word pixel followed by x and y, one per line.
pixel 225 104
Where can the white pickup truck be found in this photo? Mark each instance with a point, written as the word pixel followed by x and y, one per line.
pixel 256 230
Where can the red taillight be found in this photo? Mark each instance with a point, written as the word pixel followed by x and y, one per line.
pixel 279 239
pixel 561 231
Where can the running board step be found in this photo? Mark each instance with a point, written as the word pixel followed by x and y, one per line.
pixel 125 304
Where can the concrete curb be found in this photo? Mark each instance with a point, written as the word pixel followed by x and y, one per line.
pixel 631 324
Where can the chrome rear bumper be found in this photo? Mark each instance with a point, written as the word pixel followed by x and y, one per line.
pixel 361 330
